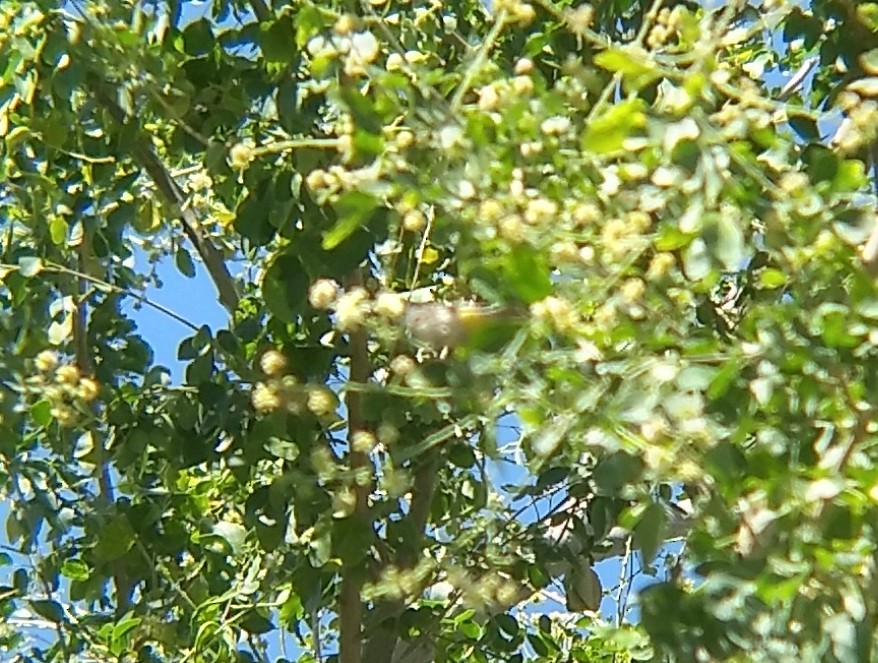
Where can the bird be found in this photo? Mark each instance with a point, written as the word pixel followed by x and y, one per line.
pixel 440 325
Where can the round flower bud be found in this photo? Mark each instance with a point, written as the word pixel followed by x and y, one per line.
pixel 351 309
pixel 363 441
pixel 273 362
pixel 390 305
pixel 64 415
pixel 322 294
pixel 265 398
pixel 388 434
pixel 414 221
pixel 435 325
pixel 88 389
pixel 524 66
pixel 321 401
pixel 240 156
pixel 47 361
pixel 404 139
pixel 402 365
pixel 68 374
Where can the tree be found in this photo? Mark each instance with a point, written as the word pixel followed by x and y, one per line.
pixel 642 249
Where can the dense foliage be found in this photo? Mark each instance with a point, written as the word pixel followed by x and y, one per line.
pixel 653 222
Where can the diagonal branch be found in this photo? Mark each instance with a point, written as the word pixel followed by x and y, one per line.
pixel 260 10
pixel 173 196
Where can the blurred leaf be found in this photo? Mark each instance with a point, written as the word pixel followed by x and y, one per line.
pixel 198 37
pixel 184 262
pixel 285 286
pixel 233 533
pixel 607 132
pixel 256 623
pixel 649 532
pixel 30 266
pixel 47 609
pixel 637 69
pixel 354 209
pixel 527 273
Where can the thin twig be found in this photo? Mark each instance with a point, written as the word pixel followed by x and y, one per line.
pixel 60 269
pixel 476 65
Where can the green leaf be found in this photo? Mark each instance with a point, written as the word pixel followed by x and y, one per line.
pixel 507 624
pixel 353 209
pixel 469 629
pixel 310 21
pixel 724 378
pixel 200 369
pixel 805 126
pixel 125 626
pixel 198 38
pixel 637 67
pixel 617 470
pixel 233 533
pixel 117 538
pixel 771 278
pixel 363 110
pixel 526 271
pixel 49 610
pixel 461 455
pixel 184 262
pixel 41 413
pixel 670 238
pixel 196 345
pixel 282 448
pixel 650 530
pixel 257 623
pixel 607 133
pixel 821 163
pixel 30 266
pixel 58 230
pixel 833 322
pixel 285 286
pixel 252 220
pixel 851 175
pixel 277 41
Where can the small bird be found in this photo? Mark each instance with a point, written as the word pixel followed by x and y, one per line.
pixel 441 325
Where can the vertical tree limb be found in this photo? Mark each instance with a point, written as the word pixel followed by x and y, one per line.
pixel 350 601
pixel 86 366
pixel 383 636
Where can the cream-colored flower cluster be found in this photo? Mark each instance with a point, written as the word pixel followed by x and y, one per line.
pixel 669 24
pixel 353 307
pixel 355 49
pixel 281 391
pixel 325 183
pixel 402 583
pixel 64 387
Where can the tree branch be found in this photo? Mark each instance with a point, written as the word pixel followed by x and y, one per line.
pixel 382 639
pixel 85 363
pixel 260 10
pixel 350 601
pixel 173 196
